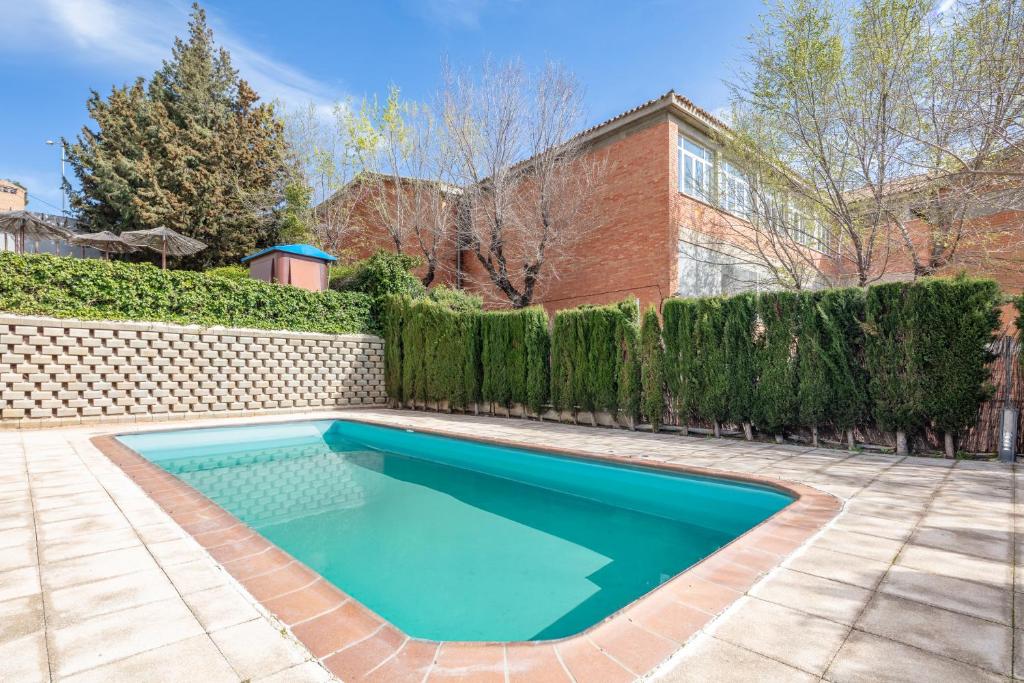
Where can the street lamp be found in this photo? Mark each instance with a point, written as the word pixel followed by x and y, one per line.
pixel 63 158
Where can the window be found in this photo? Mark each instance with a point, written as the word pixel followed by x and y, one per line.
pixel 696 169
pixel 732 190
pixel 803 227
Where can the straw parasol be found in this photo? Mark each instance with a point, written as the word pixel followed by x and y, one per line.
pixel 31 225
pixel 105 241
pixel 164 240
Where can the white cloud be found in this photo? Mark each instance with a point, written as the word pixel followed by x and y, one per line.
pixel 129 35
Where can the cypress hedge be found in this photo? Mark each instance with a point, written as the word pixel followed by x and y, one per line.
pixel 680 362
pixel 652 370
pixel 953 325
pixel 711 365
pixel 594 362
pixel 67 287
pixel 902 356
pixel 515 357
pixel 832 386
pixel 440 353
pixel 892 384
pixel 740 313
pixel 775 408
pixel 434 352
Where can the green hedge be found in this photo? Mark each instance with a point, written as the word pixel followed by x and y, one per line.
pixel 448 351
pixel 595 364
pixel 515 357
pixel 902 356
pixel 66 287
pixel 652 370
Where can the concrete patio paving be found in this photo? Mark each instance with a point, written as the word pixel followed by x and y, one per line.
pixel 915 580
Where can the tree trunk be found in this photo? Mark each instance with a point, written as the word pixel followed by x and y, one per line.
pixel 814 436
pixel 901 442
pixel 718 429
pixel 950 444
pixel 748 431
pixel 851 440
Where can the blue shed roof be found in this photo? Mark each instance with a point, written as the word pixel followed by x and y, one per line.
pixel 298 249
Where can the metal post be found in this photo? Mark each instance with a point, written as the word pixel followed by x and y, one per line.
pixel 1010 415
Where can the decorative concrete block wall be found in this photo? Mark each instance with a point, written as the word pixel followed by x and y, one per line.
pixel 55 371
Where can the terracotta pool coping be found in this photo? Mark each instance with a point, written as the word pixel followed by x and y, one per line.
pixel 356 644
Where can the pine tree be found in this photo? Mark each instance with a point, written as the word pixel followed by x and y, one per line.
pixel 191 150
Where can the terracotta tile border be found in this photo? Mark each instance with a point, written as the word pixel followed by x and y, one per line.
pixel 357 645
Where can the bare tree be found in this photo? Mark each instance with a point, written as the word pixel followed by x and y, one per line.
pixel 324 161
pixel 406 183
pixel 894 132
pixel 965 141
pixel 528 182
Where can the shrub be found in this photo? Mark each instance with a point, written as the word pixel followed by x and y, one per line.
pixel 593 359
pixel 832 388
pixel 776 394
pixel 740 313
pixel 652 370
pixel 514 353
pixel 953 323
pixel 711 365
pixel 379 276
pixel 230 272
pixel 892 384
pixel 455 299
pixel 680 360
pixel 66 287
pixel 440 353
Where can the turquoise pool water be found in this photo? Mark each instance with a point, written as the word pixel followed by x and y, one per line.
pixel 451 539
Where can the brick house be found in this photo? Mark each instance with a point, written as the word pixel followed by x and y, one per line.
pixel 666 192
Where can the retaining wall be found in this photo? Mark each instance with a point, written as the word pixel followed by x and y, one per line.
pixel 56 371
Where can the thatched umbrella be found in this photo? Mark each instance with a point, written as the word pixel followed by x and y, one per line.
pixel 164 240
pixel 31 225
pixel 106 242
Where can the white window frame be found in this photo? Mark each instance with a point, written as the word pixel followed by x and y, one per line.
pixel 733 191
pixel 804 228
pixel 699 165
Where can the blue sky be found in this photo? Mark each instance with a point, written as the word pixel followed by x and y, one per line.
pixel 54 51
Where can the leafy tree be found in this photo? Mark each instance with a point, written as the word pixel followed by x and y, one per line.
pixel 652 370
pixel 294 215
pixel 191 149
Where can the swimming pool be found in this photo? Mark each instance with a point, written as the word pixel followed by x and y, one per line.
pixel 450 539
